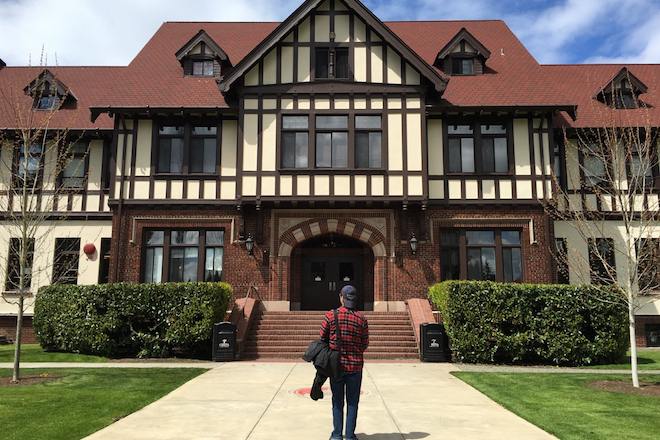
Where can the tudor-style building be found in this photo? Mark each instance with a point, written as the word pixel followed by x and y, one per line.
pixel 331 142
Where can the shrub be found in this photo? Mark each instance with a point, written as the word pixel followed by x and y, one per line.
pixel 532 323
pixel 144 320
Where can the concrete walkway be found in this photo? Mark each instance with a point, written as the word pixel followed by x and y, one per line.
pixel 269 400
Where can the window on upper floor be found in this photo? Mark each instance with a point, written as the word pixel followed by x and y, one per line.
pixel 340 141
pixel 187 148
pixel 202 68
pixel 463 55
pixel 623 91
pixel 478 148
pixel 173 255
pixel 462 66
pixel 648 264
pixel 65 264
pixel 594 169
pixel 75 167
pixel 29 167
pixel 602 261
pixel 486 255
pixel 13 279
pixel 201 56
pixel 331 62
pixel 642 167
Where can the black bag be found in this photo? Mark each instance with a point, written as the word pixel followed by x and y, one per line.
pixel 326 360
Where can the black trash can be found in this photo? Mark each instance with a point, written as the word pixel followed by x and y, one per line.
pixel 434 343
pixel 224 341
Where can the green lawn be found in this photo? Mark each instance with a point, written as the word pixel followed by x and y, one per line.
pixel 646 360
pixel 564 406
pixel 34 353
pixel 82 401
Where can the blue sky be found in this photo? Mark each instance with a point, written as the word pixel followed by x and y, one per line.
pixel 95 32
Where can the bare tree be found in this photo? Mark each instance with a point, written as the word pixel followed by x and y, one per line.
pixel 40 165
pixel 608 199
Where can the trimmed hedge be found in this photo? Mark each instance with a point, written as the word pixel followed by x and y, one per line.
pixel 532 323
pixel 122 319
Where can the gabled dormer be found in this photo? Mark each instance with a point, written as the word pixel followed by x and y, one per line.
pixel 463 55
pixel 202 56
pixel 48 92
pixel 2 64
pixel 622 92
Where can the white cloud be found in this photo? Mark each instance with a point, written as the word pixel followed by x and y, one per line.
pixel 91 32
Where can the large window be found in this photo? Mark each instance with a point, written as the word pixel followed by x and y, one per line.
pixel 332 141
pixel 65 264
pixel 29 166
pixel 648 264
pixel 73 174
pixel 187 148
pixel 12 282
pixel 602 261
pixel 595 173
pixel 339 141
pixel 488 255
pixel 183 255
pixel 478 148
pixel 331 63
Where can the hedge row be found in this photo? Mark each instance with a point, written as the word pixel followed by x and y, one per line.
pixel 532 324
pixel 141 320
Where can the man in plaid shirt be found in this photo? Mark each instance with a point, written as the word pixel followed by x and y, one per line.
pixel 354 340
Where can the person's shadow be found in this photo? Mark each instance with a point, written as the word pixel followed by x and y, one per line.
pixel 394 436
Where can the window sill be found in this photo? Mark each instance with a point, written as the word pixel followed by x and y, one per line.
pixel 14 293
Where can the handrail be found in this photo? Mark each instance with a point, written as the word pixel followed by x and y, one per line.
pixel 247 295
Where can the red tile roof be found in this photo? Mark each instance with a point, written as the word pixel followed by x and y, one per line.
pixel 581 82
pixel 512 78
pixel 86 83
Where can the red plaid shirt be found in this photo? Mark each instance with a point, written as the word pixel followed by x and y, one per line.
pixel 354 337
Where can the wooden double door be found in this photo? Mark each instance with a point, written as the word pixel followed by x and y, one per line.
pixel 323 276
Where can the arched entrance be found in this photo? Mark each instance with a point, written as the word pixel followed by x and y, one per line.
pixel 329 262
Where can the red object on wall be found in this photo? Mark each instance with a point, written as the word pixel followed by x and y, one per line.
pixel 89 249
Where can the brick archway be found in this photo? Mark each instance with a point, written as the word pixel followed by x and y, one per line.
pixel 350 227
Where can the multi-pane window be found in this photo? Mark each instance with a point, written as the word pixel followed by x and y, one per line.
pixel 73 174
pixel 331 63
pixel 65 264
pixel 183 255
pixel 339 141
pixel 332 141
pixel 648 264
pixel 488 255
pixel 187 148
pixel 203 146
pixel 47 98
pixel 462 66
pixel 295 140
pixel 602 261
pixel 595 173
pixel 202 68
pixel 13 279
pixel 368 142
pixel 29 165
pixel 478 148
pixel 562 261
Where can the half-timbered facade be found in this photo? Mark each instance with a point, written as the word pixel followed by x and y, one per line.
pixel 339 148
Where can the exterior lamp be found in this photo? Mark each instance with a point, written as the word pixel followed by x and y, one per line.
pixel 413 244
pixel 249 244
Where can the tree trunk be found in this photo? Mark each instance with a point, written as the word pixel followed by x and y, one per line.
pixel 633 343
pixel 17 342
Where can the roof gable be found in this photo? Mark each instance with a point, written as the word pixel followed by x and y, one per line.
pixel 46 77
pixel 636 85
pixel 304 11
pixel 201 37
pixel 464 35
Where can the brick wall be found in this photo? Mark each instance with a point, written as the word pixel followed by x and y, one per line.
pixel 8 329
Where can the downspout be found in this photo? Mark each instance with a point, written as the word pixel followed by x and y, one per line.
pixel 120 203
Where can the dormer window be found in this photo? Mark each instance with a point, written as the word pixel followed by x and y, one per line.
pixel 201 56
pixel 463 55
pixel 622 92
pixel 47 92
pixel 202 68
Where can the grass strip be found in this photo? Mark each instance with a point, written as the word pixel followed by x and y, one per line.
pixel 563 404
pixel 82 401
pixel 646 360
pixel 34 353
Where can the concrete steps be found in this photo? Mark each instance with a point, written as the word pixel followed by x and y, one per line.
pixel 286 335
